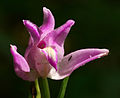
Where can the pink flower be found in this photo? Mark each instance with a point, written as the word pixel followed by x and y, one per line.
pixel 44 56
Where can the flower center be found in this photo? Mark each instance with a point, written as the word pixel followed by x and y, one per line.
pixel 42 45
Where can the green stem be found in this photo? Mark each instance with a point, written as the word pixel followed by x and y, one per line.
pixel 63 88
pixel 37 89
pixel 44 88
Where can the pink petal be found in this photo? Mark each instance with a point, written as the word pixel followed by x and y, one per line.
pixel 19 60
pixel 51 56
pixel 61 33
pixel 38 61
pixel 30 45
pixel 29 76
pixel 57 37
pixel 48 22
pixel 74 60
pixel 21 66
pixel 33 30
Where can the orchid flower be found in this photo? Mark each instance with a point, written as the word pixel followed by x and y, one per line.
pixel 44 56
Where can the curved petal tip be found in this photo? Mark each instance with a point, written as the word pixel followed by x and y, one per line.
pixel 13 47
pixel 105 52
pixel 24 21
pixel 48 22
pixel 71 22
pixel 19 60
pixel 45 10
pixel 33 30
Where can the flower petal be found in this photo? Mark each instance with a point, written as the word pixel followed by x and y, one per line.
pixel 19 60
pixel 30 76
pixel 51 56
pixel 56 38
pixel 30 44
pixel 61 33
pixel 21 66
pixel 48 22
pixel 37 60
pixel 74 60
pixel 33 30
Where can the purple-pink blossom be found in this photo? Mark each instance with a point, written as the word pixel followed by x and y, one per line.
pixel 44 56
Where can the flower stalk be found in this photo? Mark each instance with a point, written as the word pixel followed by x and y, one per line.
pixel 37 89
pixel 63 88
pixel 44 86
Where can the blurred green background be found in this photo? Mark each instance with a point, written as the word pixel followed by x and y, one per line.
pixel 97 25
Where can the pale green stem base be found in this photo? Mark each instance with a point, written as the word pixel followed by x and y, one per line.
pixel 44 88
pixel 63 88
pixel 37 89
